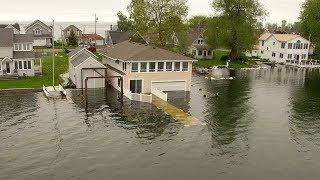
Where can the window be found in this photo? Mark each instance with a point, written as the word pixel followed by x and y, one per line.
pixel 261 52
pixel 143 67
pixel 152 67
pixel 289 56
pixel 306 46
pixel 24 47
pixel 117 61
pixel 25 65
pixel 267 48
pixel 304 56
pixel 290 46
pixel 119 82
pixel 177 66
pixel 200 53
pixel 16 65
pixel 124 66
pixel 0 66
pixel 273 54
pixel 168 66
pixel 29 64
pixel 262 43
pixel 281 55
pixel 274 43
pixel 136 86
pixel 135 67
pixel 185 66
pixel 209 53
pixel 20 64
pixel 16 47
pixel 283 45
pixel 37 31
pixel 160 66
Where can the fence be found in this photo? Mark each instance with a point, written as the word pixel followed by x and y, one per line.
pixel 159 94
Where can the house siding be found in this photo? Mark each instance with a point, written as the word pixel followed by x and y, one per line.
pixel 6 52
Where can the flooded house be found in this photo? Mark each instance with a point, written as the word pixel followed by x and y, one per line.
pixel 282 48
pixel 41 32
pixel 16 53
pixel 83 64
pixel 147 70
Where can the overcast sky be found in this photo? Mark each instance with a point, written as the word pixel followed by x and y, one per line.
pixel 84 10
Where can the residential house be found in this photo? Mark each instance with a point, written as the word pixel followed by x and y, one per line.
pixel 92 39
pixel 115 37
pixel 147 69
pixel 16 53
pixel 15 27
pixel 282 47
pixel 67 31
pixel 199 49
pixel 79 60
pixel 42 33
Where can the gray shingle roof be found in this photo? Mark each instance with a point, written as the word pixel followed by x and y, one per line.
pixel 79 59
pixel 22 38
pixel 23 54
pixel 129 51
pixel 6 37
pixel 83 54
pixel 15 25
pixel 118 36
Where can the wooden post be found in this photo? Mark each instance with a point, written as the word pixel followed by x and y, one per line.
pixel 121 84
pixel 86 93
pixel 106 82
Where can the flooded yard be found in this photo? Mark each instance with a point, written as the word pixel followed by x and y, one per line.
pixel 263 124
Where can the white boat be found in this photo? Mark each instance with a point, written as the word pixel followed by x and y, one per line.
pixel 54 91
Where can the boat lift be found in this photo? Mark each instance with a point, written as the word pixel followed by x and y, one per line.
pixel 105 77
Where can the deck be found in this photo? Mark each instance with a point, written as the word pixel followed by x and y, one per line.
pixel 176 113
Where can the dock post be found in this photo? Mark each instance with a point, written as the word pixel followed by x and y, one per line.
pixel 121 84
pixel 86 91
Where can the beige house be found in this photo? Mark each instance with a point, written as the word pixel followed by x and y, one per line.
pixel 147 70
pixel 67 32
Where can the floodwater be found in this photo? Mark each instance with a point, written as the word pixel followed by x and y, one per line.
pixel 265 124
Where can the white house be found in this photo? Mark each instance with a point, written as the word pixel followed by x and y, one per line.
pixel 199 49
pixel 79 60
pixel 16 53
pixel 281 48
pixel 42 33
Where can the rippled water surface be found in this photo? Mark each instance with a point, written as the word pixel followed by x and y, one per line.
pixel 264 125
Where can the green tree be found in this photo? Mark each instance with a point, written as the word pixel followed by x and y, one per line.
pixel 72 39
pixel 156 20
pixel 124 23
pixel 310 22
pixel 198 22
pixel 236 25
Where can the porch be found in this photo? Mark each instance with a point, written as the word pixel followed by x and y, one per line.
pixel 304 63
pixel 7 68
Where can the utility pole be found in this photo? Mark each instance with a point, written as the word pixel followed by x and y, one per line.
pixel 53 53
pixel 95 29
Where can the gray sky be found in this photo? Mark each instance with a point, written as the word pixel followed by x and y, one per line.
pixel 83 10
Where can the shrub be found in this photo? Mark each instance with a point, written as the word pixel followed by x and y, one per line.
pixel 66 50
pixel 224 58
pixel 92 49
pixel 243 59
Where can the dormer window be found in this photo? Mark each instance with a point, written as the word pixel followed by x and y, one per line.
pixel 37 31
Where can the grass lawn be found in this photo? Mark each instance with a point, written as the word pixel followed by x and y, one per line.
pixel 216 61
pixel 61 67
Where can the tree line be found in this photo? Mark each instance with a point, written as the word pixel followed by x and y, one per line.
pixel 236 25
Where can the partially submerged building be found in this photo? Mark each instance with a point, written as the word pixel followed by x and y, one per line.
pixel 83 64
pixel 147 70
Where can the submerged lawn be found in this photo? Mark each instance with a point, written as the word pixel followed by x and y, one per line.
pixel 61 67
pixel 216 61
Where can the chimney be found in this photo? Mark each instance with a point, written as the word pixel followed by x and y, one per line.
pixel 111 27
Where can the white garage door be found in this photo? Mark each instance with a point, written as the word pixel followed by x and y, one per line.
pixel 170 86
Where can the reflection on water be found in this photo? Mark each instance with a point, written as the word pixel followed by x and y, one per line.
pixel 264 124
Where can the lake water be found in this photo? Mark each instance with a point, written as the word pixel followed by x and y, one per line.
pixel 265 124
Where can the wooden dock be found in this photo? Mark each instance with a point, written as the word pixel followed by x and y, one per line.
pixel 176 113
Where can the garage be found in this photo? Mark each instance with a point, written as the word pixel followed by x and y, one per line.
pixel 170 86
